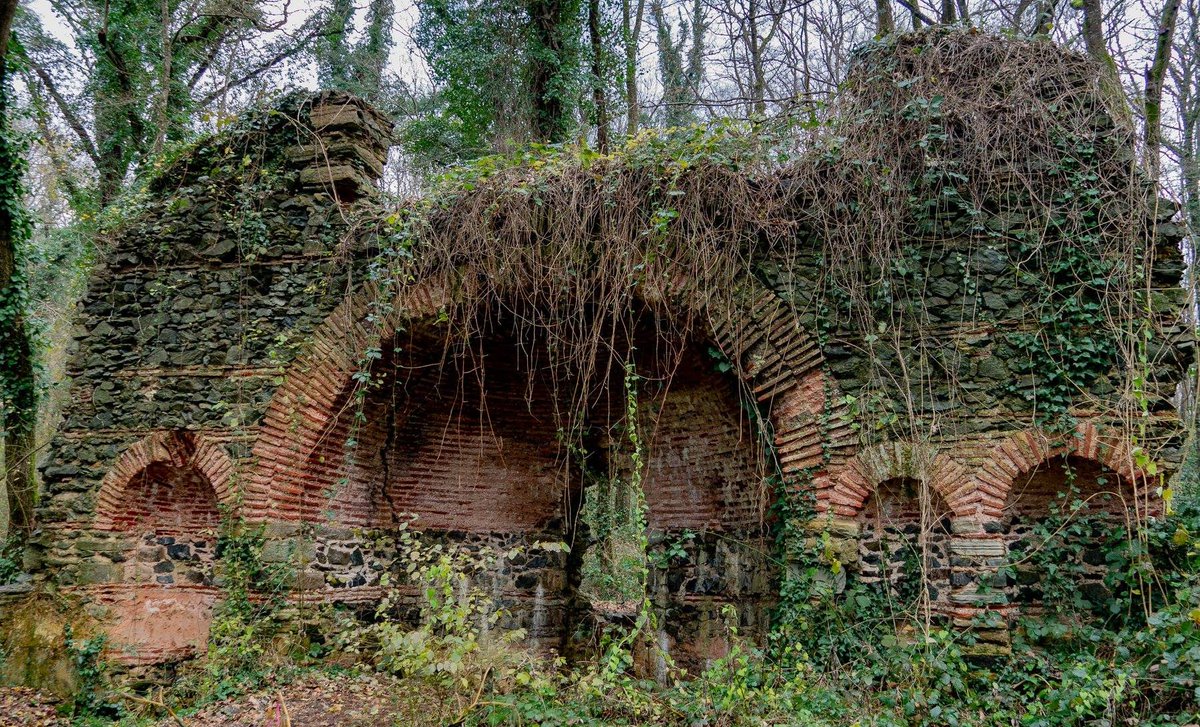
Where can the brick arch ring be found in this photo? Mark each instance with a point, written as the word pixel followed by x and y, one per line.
pixel 775 359
pixel 845 492
pixel 177 448
pixel 1027 449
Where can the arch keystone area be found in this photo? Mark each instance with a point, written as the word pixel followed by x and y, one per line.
pixel 846 492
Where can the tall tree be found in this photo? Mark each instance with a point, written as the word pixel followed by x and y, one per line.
pixel 1181 146
pixel 1185 82
pixel 138 71
pixel 885 20
pixel 554 67
pixel 477 55
pixel 596 69
pixel 332 50
pixel 357 68
pixel 632 14
pixel 1156 73
pixel 680 78
pixel 752 28
pixel 947 13
pixel 1097 47
pixel 18 394
pixel 1043 21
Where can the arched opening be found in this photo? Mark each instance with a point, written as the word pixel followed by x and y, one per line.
pixel 463 437
pixel 707 494
pixel 704 469
pixel 456 438
pixel 166 499
pixel 419 415
pixel 1065 521
pixel 904 546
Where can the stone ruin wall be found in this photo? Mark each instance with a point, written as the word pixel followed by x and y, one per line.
pixel 213 375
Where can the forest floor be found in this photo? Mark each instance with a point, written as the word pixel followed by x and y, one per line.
pixel 27 707
pixel 315 700
pixel 322 700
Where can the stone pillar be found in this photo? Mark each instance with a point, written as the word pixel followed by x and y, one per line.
pixel 347 155
pixel 977 596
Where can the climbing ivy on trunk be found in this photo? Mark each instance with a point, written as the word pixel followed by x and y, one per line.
pixel 18 395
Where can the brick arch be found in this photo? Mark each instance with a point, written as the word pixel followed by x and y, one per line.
pixel 847 490
pixel 308 401
pixel 179 449
pixel 1026 450
pixel 775 358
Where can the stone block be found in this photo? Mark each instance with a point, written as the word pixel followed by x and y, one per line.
pixel 971 597
pixel 965 526
pixel 274 530
pixel 977 548
pixel 836 526
pixel 92 573
pixel 94 546
pixel 310 580
pixel 278 551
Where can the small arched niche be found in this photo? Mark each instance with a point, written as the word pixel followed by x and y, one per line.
pixel 167 491
pixel 166 499
pixel 1062 519
pixel 904 545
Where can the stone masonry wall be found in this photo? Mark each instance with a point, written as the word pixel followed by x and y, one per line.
pixel 196 305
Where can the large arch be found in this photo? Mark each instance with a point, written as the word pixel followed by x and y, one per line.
pixel 298 450
pixel 774 358
pixel 302 409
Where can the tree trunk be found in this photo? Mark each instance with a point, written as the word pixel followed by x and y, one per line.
pixel 1097 48
pixel 695 65
pixel 1189 163
pixel 1155 73
pixel 1043 23
pixel 885 22
pixel 599 103
pixel 120 133
pixel 631 30
pixel 758 75
pixel 16 358
pixel 162 104
pixel 1093 29
pixel 373 53
pixel 947 14
pixel 547 67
